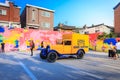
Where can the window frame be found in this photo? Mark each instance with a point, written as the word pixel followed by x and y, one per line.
pixel 46 24
pixel 33 15
pixel 3 12
pixel 67 42
pixel 45 14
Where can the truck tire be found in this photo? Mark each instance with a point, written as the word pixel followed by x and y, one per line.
pixel 80 54
pixel 42 56
pixel 52 57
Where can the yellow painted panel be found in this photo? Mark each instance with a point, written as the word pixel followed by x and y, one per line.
pixel 67 50
pixel 67 36
pixel 58 48
pixel 80 41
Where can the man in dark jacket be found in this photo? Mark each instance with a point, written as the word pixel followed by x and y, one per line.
pixel 3 46
pixel 32 45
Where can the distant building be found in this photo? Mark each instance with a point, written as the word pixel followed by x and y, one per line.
pixel 63 27
pixel 78 30
pixel 37 18
pixel 117 18
pixel 96 29
pixel 9 14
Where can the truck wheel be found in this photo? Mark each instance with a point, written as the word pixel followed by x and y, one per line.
pixel 80 54
pixel 42 56
pixel 52 56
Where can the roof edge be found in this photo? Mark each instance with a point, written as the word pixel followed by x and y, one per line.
pixel 116 6
pixel 40 7
pixel 3 4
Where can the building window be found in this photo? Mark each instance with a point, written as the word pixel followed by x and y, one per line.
pixel 2 12
pixel 45 24
pixel 86 32
pixel 33 15
pixel 45 14
pixel 97 31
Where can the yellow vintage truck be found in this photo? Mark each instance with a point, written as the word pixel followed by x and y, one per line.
pixel 70 44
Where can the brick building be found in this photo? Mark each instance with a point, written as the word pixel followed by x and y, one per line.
pixel 9 14
pixel 37 18
pixel 117 19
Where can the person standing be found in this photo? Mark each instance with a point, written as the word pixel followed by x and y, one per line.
pixel 114 52
pixel 111 47
pixel 103 48
pixel 3 47
pixel 118 48
pixel 42 44
pixel 32 45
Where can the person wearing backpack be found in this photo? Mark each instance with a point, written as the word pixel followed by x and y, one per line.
pixel 32 45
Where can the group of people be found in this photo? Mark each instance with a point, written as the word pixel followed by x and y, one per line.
pixel 114 50
pixel 32 46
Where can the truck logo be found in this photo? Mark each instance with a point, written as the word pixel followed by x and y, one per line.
pixel 80 44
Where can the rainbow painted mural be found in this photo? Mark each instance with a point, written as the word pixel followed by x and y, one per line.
pixel 100 45
pixel 18 38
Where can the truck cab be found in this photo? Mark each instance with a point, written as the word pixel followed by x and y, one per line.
pixel 70 44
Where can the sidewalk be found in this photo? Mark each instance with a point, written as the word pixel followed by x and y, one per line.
pixel 96 52
pixel 98 55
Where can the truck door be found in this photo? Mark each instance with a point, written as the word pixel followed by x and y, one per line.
pixel 59 46
pixel 67 46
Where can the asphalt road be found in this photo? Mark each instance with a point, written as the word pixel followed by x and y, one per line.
pixel 22 66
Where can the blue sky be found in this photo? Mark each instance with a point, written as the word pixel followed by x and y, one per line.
pixel 76 12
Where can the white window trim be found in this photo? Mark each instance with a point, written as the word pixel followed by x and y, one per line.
pixel 45 14
pixel 45 24
pixel 3 12
pixel 33 15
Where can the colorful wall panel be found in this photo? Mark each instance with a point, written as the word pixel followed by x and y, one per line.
pixel 18 39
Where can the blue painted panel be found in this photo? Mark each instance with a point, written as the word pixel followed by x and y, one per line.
pixel 113 40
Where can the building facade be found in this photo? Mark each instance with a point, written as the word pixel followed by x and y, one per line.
pixel 62 27
pixel 96 29
pixel 37 18
pixel 117 19
pixel 9 14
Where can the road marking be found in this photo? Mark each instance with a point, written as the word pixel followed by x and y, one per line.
pixel 83 72
pixel 28 71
